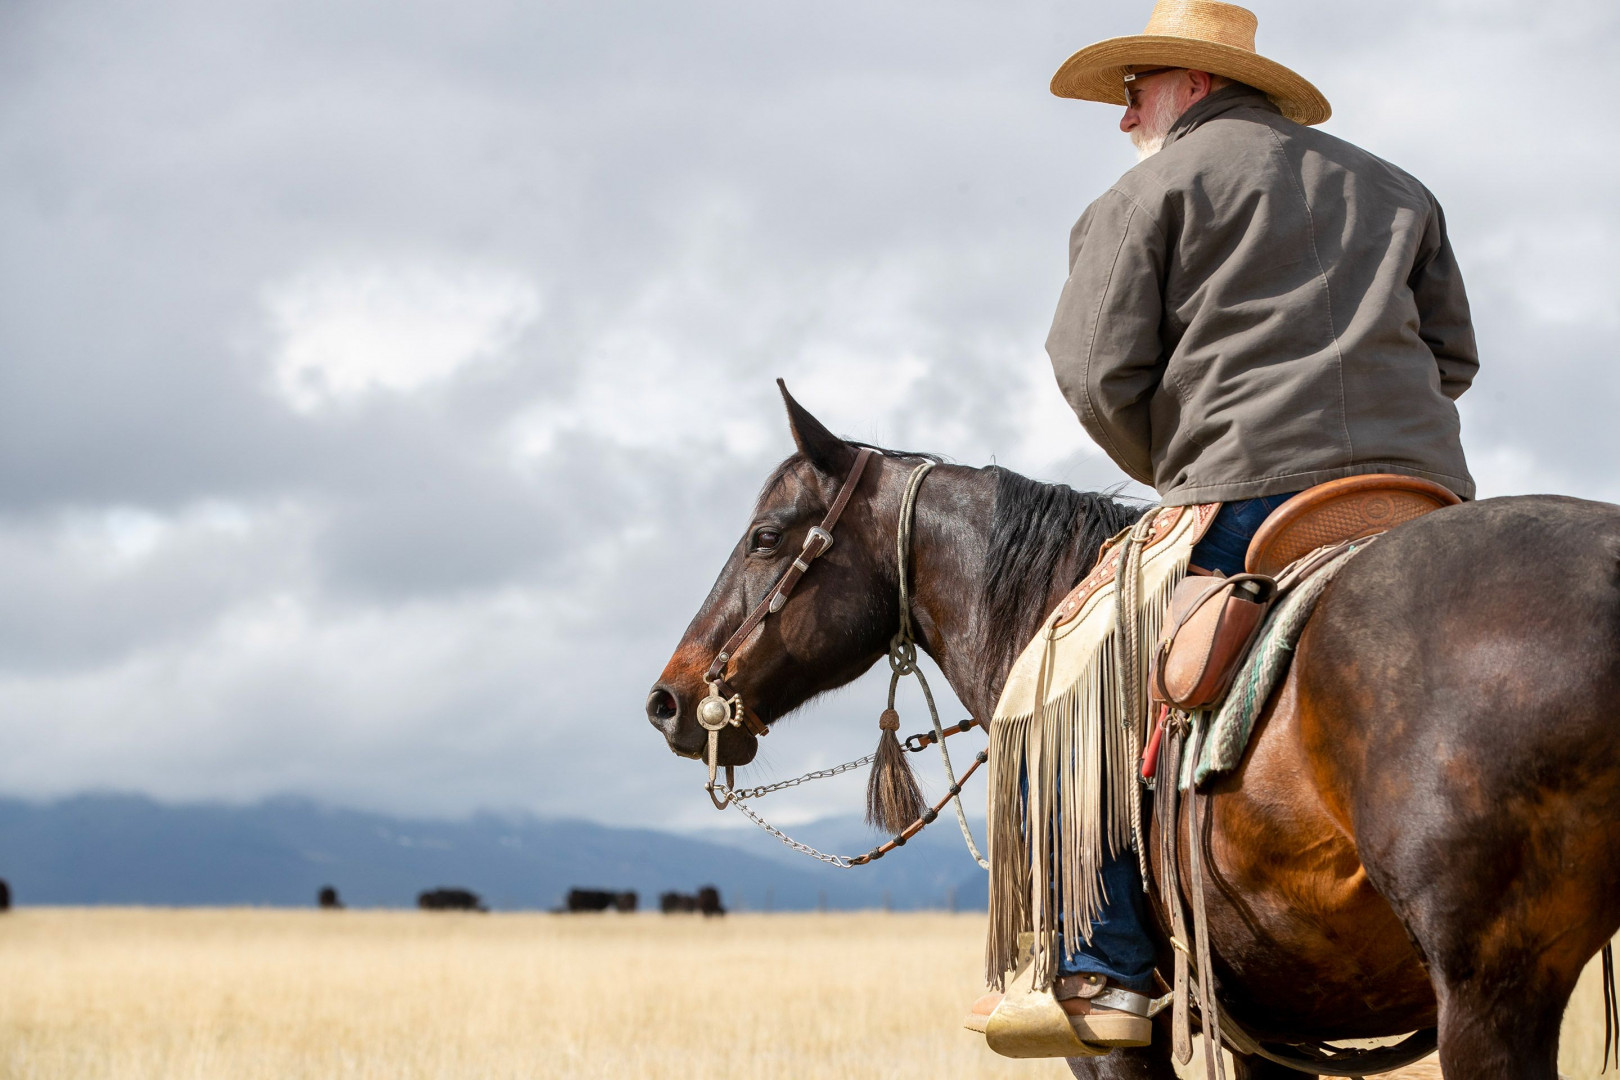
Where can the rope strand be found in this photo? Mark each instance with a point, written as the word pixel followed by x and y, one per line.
pixel 903 649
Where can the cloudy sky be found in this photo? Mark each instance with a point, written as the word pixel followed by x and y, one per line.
pixel 383 384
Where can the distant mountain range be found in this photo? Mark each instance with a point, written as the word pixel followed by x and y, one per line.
pixel 120 849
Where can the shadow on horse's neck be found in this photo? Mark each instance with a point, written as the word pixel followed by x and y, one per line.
pixel 993 553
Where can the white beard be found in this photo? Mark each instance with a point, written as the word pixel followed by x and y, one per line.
pixel 1149 136
pixel 1147 147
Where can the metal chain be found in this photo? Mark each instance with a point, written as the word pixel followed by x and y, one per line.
pixel 848 862
pixel 818 774
pixel 840 861
pixel 912 744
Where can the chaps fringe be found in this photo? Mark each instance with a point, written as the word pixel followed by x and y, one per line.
pixel 1063 775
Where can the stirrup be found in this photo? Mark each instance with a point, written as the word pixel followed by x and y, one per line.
pixel 1032 1023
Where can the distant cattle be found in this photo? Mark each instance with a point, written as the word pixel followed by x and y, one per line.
pixel 674 903
pixel 5 895
pixel 449 900
pixel 707 901
pixel 599 900
pixel 328 898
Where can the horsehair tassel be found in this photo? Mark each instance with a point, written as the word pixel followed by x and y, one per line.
pixel 893 799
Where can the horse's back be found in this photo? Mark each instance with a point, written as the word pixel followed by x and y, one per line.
pixel 1456 696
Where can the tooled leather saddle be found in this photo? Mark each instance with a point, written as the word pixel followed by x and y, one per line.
pixel 1213 620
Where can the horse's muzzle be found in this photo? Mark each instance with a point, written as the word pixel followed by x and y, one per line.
pixel 686 738
pixel 664 713
pixel 664 710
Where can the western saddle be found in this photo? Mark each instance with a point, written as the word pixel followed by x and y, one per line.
pixel 1213 621
pixel 1338 512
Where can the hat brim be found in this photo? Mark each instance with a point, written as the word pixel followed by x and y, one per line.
pixel 1097 72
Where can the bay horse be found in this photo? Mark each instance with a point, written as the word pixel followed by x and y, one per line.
pixel 1424 831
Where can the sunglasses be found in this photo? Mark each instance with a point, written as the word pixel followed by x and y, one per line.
pixel 1130 82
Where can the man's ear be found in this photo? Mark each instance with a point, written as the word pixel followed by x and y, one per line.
pixel 1203 85
pixel 820 447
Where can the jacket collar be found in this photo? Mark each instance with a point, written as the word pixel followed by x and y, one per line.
pixel 1221 102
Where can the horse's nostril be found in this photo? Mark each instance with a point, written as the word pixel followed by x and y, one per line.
pixel 662 706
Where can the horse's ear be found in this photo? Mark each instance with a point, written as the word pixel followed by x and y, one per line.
pixel 821 447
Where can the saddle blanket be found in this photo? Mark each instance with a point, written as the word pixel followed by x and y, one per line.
pixel 1232 723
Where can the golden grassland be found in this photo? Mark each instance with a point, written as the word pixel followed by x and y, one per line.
pixel 254 994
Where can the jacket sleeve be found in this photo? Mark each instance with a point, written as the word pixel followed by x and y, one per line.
pixel 1105 340
pixel 1444 321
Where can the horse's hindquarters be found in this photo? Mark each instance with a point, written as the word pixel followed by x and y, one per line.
pixel 1455 705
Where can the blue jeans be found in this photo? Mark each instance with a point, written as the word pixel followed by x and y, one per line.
pixel 1120 947
pixel 1227 541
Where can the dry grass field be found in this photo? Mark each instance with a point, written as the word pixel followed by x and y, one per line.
pixel 98 994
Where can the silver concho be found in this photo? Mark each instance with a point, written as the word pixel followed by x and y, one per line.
pixel 714 711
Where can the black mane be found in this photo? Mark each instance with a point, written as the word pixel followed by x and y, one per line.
pixel 1034 529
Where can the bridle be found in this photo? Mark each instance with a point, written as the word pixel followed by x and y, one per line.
pixel 724 706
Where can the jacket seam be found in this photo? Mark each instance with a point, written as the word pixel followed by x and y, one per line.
pixel 1327 290
pixel 1139 205
pixel 1096 325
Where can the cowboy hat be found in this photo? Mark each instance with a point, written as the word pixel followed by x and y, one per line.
pixel 1202 35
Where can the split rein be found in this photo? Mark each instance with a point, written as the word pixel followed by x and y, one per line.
pixel 724 707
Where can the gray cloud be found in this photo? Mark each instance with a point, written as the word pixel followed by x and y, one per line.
pixel 444 577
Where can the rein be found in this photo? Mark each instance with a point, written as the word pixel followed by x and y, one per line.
pixel 724 707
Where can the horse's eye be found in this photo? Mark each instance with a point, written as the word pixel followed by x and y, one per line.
pixel 765 540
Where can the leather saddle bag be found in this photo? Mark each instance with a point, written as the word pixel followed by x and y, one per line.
pixel 1210 626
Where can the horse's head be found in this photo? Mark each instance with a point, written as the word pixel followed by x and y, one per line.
pixel 834 625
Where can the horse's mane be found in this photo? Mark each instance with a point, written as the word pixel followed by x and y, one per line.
pixel 1036 527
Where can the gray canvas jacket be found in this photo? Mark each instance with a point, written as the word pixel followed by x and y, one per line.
pixel 1260 307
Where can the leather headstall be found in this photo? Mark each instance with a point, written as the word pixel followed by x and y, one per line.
pixel 724 706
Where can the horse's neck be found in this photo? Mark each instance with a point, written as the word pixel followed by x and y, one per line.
pixel 950 567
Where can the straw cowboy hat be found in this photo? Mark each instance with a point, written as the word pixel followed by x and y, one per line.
pixel 1202 35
